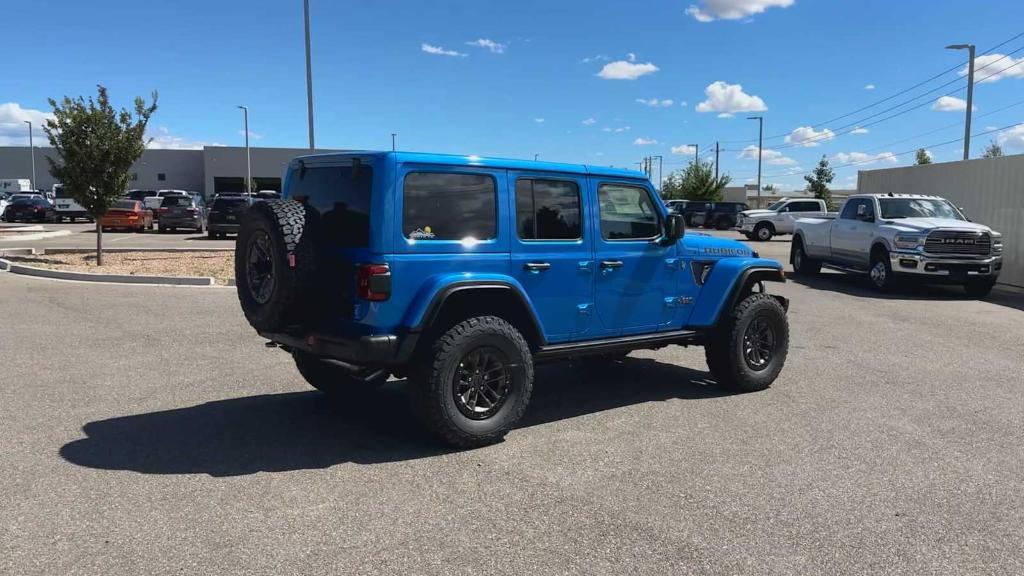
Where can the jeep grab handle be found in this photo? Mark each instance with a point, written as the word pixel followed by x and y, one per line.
pixel 537 266
pixel 611 264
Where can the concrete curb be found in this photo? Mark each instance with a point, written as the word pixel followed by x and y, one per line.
pixel 56 250
pixel 108 278
pixel 21 237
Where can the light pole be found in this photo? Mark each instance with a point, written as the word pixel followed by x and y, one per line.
pixel 696 152
pixel 32 153
pixel 970 94
pixel 535 157
pixel 309 76
pixel 248 159
pixel 760 141
pixel 393 134
pixel 660 162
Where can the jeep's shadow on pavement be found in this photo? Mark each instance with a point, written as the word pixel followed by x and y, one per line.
pixel 859 285
pixel 306 430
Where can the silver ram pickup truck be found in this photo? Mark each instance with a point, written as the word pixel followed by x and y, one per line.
pixel 900 236
pixel 779 218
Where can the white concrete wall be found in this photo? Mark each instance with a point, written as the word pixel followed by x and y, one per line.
pixel 991 191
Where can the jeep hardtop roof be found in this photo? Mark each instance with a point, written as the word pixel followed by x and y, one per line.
pixel 895 196
pixel 480 161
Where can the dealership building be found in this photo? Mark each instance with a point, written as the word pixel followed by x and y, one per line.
pixel 211 170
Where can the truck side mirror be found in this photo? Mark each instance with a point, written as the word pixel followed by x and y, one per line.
pixel 674 229
pixel 863 215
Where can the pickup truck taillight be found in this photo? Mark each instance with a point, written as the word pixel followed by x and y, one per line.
pixel 373 282
pixel 162 209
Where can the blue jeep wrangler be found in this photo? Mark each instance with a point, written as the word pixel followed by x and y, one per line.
pixel 460 272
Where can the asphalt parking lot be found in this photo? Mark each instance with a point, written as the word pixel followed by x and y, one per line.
pixel 83 235
pixel 146 430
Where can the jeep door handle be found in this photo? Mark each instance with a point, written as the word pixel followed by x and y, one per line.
pixel 611 264
pixel 537 266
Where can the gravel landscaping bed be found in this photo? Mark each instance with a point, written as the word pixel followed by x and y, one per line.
pixel 219 265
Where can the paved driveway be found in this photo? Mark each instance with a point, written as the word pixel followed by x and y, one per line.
pixel 145 430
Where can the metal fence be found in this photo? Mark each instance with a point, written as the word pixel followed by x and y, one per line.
pixel 991 191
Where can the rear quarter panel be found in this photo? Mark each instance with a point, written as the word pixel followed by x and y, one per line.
pixel 815 233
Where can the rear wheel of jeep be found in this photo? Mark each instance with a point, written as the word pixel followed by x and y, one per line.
pixel 275 264
pixel 747 351
pixel 476 382
pixel 335 380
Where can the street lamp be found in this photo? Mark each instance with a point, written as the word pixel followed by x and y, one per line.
pixel 32 153
pixel 970 94
pixel 248 159
pixel 696 152
pixel 760 144
pixel 309 76
pixel 393 134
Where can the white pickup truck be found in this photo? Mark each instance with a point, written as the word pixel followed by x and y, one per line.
pixel 901 236
pixel 153 202
pixel 778 218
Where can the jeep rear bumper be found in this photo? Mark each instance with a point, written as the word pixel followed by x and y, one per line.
pixel 375 350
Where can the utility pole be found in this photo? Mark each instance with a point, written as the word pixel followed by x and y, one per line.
pixel 393 134
pixel 696 153
pixel 760 145
pixel 32 152
pixel 660 161
pixel 248 159
pixel 716 159
pixel 309 77
pixel 970 94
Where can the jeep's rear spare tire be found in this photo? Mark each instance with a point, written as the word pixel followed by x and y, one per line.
pixel 275 262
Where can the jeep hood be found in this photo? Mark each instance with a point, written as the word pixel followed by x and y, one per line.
pixel 927 224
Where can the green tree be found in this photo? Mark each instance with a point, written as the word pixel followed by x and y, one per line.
pixel 770 188
pixel 993 150
pixel 252 186
pixel 696 182
pixel 96 146
pixel 923 157
pixel 818 181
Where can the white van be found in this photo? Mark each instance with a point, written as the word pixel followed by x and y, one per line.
pixel 67 207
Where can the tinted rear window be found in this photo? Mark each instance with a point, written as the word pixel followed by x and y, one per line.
pixel 170 201
pixel 124 205
pixel 340 197
pixel 441 206
pixel 547 209
pixel 230 204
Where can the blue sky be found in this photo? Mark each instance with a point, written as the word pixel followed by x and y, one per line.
pixel 602 82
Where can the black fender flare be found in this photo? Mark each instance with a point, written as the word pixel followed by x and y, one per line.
pixel 442 296
pixel 748 278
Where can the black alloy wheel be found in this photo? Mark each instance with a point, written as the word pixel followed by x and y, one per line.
pixel 260 267
pixel 759 343
pixel 481 383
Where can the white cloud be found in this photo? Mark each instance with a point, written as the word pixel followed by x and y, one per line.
pixel 14 131
pixel 807 137
pixel 995 67
pixel 617 130
pixel 655 103
pixel 869 87
pixel 859 130
pixel 725 115
pixel 589 122
pixel 439 51
pixel 863 158
pixel 729 98
pixel 768 156
pixel 1013 137
pixel 710 10
pixel 631 57
pixel 685 150
pixel 950 104
pixel 252 135
pixel 683 103
pixel 623 70
pixel 494 47
pixel 538 120
pixel 597 58
pixel 164 139
pixel 644 142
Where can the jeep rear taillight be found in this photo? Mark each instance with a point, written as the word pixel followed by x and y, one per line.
pixel 373 282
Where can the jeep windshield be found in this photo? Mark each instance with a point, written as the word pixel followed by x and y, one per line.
pixel 895 208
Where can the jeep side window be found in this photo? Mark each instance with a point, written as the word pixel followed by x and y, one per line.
pixel 627 213
pixel 449 206
pixel 547 209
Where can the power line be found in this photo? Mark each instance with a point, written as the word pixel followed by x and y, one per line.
pixel 888 98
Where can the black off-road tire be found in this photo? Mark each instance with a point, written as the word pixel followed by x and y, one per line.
pixel 283 224
pixel 979 288
pixel 724 350
pixel 803 265
pixel 433 394
pixel 334 380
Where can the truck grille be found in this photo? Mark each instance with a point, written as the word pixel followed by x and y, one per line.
pixel 959 243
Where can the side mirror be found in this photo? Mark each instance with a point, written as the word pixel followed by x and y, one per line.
pixel 863 215
pixel 674 229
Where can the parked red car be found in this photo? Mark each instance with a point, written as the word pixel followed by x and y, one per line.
pixel 130 214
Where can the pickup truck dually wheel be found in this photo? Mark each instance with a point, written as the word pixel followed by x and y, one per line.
pixel 476 383
pixel 335 380
pixel 275 264
pixel 763 232
pixel 748 350
pixel 803 265
pixel 880 272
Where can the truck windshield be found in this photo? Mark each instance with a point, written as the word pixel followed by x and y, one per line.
pixel 918 208
pixel 775 207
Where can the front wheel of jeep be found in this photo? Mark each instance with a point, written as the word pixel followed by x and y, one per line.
pixel 475 383
pixel 748 349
